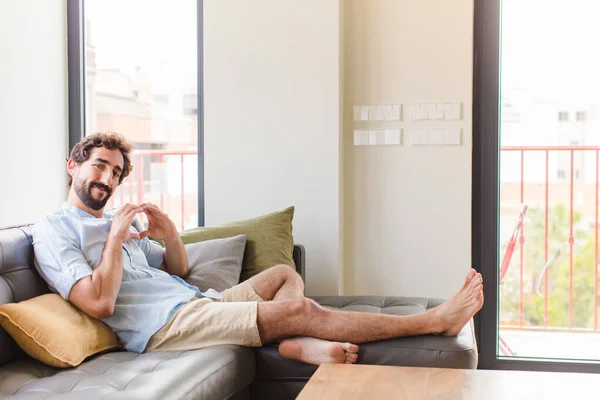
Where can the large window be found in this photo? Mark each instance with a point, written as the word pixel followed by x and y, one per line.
pixel 134 69
pixel 536 184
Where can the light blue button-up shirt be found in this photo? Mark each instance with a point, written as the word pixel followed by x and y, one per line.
pixel 68 245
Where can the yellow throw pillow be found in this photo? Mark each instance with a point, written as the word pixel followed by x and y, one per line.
pixel 52 330
pixel 269 240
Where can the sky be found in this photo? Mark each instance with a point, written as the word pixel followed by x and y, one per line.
pixel 156 35
pixel 550 47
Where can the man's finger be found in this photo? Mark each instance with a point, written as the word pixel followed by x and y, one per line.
pixel 123 209
pixel 127 208
pixel 130 215
pixel 143 234
pixel 135 236
pixel 154 208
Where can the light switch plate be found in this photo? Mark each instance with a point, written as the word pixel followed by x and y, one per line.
pixel 364 138
pixel 418 136
pixel 452 111
pixel 452 137
pixel 372 137
pixel 394 114
pixel 372 113
pixel 435 111
pixel 423 140
pixel 380 137
pixel 435 137
pixel 364 113
pixel 381 113
pixel 418 112
pixel 356 113
pixel 393 136
pixel 358 138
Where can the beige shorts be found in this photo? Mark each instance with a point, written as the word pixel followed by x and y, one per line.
pixel 208 322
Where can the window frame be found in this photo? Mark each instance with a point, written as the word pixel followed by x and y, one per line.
pixel 485 191
pixel 76 86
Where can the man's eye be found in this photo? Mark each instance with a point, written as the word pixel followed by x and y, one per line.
pixel 99 166
pixel 116 174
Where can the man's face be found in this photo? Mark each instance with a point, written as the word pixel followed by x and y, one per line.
pixel 95 179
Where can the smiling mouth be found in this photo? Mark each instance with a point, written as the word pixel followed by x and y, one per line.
pixel 101 189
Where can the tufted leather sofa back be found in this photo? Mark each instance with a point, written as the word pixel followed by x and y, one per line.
pixel 19 279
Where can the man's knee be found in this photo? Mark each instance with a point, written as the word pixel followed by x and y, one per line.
pixel 284 269
pixel 285 273
pixel 306 307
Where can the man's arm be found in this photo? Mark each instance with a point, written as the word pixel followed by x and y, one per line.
pixel 96 294
pixel 176 261
pixel 162 228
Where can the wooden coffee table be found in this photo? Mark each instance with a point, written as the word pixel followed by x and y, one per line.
pixel 342 381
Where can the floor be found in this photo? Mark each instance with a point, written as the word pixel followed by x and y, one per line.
pixel 559 345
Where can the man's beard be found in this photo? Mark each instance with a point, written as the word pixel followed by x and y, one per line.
pixel 85 194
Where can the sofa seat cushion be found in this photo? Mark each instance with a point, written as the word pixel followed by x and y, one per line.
pixel 211 373
pixel 419 351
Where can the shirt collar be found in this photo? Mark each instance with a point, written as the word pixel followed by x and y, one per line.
pixel 79 212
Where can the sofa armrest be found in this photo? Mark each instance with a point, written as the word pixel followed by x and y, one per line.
pixel 299 256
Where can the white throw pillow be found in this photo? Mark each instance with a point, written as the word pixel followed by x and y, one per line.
pixel 216 264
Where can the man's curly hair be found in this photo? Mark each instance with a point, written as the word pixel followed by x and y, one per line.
pixel 110 140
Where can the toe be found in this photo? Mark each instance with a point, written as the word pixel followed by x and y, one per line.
pixel 477 280
pixel 470 276
pixel 350 348
pixel 351 358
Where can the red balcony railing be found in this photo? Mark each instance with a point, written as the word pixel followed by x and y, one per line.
pixel 159 176
pixel 544 191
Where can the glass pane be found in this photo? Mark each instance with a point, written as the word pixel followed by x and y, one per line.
pixel 550 142
pixel 141 81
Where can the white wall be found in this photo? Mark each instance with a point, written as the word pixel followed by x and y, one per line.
pixel 407 210
pixel 274 74
pixel 272 121
pixel 33 108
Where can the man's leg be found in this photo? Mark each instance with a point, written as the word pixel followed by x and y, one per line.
pixel 303 317
pixel 281 282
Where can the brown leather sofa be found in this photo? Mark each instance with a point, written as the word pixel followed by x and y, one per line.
pixel 220 372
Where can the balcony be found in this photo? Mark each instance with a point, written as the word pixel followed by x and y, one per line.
pixel 168 179
pixel 549 294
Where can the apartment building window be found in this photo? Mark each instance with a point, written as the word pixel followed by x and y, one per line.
pixel 581 116
pixel 563 116
pixel 190 104
pixel 561 174
pixel 127 76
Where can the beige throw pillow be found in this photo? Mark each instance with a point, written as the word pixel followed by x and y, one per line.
pixel 52 330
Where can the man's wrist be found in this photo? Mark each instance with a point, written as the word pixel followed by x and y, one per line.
pixel 116 239
pixel 174 238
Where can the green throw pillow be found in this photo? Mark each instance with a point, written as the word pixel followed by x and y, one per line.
pixel 269 240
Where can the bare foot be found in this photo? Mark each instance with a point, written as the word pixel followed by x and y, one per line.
pixel 456 312
pixel 317 351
